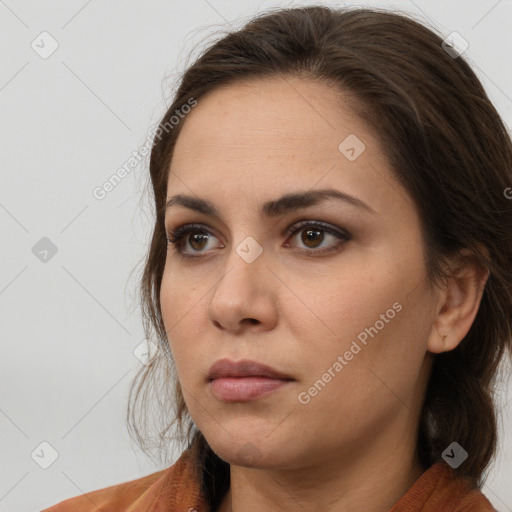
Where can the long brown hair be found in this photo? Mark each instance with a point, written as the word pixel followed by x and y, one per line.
pixel 447 146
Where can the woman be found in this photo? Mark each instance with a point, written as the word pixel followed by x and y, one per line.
pixel 329 278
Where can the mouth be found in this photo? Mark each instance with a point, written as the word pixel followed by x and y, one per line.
pixel 244 381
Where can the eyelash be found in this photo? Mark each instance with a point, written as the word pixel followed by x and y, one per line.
pixel 176 237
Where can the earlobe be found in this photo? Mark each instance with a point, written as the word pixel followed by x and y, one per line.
pixel 438 343
pixel 459 301
pixel 444 342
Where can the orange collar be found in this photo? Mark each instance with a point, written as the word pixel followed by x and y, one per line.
pixel 177 489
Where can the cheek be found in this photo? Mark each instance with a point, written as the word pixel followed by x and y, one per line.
pixel 179 305
pixel 363 377
pixel 343 307
pixel 369 317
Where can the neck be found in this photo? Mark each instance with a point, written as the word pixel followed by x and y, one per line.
pixel 275 493
pixel 372 487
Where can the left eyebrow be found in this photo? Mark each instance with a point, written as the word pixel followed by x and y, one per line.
pixel 285 204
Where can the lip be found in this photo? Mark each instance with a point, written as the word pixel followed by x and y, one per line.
pixel 224 368
pixel 244 381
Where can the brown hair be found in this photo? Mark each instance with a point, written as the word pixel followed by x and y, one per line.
pixel 447 146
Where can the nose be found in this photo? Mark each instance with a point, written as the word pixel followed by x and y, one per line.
pixel 245 296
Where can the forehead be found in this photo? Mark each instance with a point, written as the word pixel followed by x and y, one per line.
pixel 270 120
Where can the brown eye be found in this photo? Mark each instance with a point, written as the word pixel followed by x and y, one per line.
pixel 312 237
pixel 316 233
pixel 198 241
pixel 196 237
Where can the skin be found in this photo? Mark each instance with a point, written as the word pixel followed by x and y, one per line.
pixel 352 447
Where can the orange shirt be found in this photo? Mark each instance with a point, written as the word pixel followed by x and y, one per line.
pixel 436 490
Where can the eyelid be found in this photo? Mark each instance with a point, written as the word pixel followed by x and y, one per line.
pixel 324 226
pixel 183 229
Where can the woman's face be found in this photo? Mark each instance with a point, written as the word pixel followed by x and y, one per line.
pixel 344 309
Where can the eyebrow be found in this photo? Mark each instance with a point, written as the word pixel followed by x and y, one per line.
pixel 285 204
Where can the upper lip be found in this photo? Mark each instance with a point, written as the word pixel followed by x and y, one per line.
pixel 244 368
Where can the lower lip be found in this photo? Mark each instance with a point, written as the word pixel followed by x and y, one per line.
pixel 244 389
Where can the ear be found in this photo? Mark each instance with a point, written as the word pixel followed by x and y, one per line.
pixel 459 298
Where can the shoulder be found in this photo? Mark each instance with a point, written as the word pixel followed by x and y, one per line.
pixel 118 496
pixel 458 492
pixel 475 501
pixel 440 490
pixel 175 483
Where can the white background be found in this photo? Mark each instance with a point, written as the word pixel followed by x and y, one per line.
pixel 68 122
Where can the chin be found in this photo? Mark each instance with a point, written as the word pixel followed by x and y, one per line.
pixel 252 452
